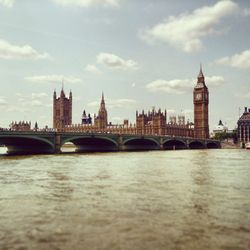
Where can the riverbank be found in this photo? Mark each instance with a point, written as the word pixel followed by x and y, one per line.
pixel 229 145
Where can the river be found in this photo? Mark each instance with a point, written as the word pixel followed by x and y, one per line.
pixel 190 199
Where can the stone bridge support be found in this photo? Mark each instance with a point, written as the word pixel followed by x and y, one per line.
pixel 57 142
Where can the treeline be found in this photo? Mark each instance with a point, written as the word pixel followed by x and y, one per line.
pixel 222 136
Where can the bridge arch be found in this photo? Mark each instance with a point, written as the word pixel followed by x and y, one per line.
pixel 196 144
pixel 92 143
pixel 172 144
pixel 17 144
pixel 211 145
pixel 136 144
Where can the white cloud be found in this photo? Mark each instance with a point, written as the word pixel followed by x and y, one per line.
pixel 246 12
pixel 115 62
pixel 3 101
pixel 178 86
pixel 215 81
pixel 10 51
pixel 171 87
pixel 245 95
pixel 87 3
pixel 92 69
pixel 36 103
pixel 52 79
pixel 186 30
pixel 240 61
pixel 117 103
pixel 7 3
pixel 38 95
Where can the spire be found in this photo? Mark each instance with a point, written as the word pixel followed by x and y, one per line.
pixel 62 91
pixel 103 101
pixel 102 96
pixel 200 79
pixel 200 73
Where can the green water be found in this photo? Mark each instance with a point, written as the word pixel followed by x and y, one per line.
pixel 196 199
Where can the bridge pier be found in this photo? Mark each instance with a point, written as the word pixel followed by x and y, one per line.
pixel 57 142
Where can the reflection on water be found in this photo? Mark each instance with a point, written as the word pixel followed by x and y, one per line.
pixel 137 200
pixel 3 150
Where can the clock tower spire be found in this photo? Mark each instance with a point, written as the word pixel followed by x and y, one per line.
pixel 201 101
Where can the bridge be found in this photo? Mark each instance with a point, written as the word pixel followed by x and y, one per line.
pixel 43 142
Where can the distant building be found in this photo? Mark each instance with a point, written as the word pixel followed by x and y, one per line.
pixel 62 110
pixel 101 120
pixel 20 126
pixel 244 127
pixel 220 128
pixel 155 122
pixel 86 119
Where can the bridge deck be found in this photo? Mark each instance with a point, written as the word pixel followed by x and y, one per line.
pixel 24 142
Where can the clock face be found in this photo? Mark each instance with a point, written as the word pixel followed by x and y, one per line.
pixel 198 97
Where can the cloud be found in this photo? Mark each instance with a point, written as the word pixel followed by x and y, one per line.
pixel 186 30
pixel 117 103
pixel 246 12
pixel 52 79
pixel 38 95
pixel 171 87
pixel 115 62
pixel 87 3
pixel 7 3
pixel 3 102
pixel 240 61
pixel 92 69
pixel 36 103
pixel 181 86
pixel 245 95
pixel 215 81
pixel 10 51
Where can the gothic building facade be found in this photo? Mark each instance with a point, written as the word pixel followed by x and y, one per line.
pixel 153 122
pixel 201 101
pixel 62 110
pixel 244 127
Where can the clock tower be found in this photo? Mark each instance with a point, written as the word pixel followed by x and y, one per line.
pixel 201 100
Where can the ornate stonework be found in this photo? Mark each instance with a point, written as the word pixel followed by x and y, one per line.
pixel 201 101
pixel 62 110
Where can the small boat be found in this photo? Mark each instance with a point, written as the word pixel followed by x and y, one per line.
pixel 247 145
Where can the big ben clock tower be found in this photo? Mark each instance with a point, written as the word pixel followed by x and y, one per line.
pixel 201 100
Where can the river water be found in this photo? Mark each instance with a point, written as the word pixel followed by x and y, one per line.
pixel 197 199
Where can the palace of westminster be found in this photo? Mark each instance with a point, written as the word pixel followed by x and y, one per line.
pixel 147 123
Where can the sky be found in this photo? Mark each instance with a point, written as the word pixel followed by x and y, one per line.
pixel 142 54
